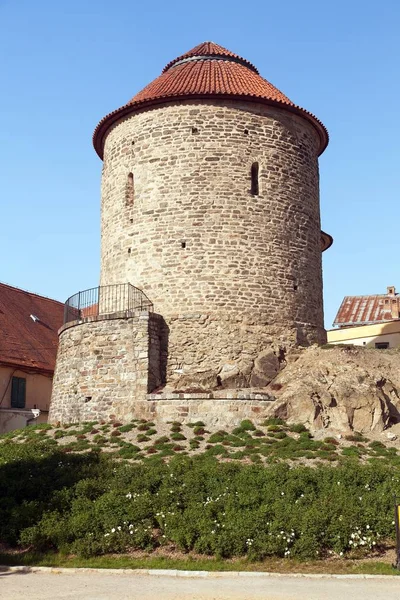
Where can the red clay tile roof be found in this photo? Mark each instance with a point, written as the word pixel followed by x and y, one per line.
pixel 207 71
pixel 24 342
pixel 361 310
pixel 210 49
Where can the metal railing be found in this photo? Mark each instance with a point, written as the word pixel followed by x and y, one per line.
pixel 105 299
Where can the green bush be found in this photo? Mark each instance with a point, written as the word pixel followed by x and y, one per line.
pixel 91 503
pixel 176 427
pixel 128 427
pixel 274 421
pixel 99 439
pixel 331 440
pixel 356 437
pixel 297 428
pixel 259 433
pixel 177 436
pixel 143 427
pixel 199 430
pixel 279 435
pixel 162 440
pixel 351 451
pixel 218 437
pixel 247 425
pixel 376 445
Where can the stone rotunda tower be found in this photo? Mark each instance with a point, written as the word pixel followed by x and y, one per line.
pixel 210 241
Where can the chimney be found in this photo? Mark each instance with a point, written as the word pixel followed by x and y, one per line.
pixel 394 308
pixel 391 290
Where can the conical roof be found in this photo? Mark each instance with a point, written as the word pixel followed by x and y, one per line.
pixel 207 71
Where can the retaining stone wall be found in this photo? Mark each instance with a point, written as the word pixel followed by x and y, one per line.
pixel 104 366
pixel 225 410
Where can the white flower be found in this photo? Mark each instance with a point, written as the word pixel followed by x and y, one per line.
pixel 113 530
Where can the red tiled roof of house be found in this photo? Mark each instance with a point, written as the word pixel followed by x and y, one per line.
pixel 207 71
pixel 24 341
pixel 363 310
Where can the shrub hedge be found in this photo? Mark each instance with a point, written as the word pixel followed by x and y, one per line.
pixel 92 504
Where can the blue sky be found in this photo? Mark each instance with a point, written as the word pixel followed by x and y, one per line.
pixel 64 65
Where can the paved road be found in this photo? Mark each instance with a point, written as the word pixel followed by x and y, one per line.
pixel 124 586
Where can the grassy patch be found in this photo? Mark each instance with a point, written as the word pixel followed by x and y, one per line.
pixel 189 563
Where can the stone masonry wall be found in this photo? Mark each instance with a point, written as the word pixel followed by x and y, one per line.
pixel 230 272
pixel 105 365
pixel 216 412
pixel 211 350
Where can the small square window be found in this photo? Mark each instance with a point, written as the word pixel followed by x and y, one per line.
pixel 18 392
pixel 381 345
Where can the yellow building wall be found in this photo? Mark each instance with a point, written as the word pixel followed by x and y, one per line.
pixel 367 335
pixel 38 389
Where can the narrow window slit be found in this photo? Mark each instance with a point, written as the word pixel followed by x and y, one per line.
pixel 254 179
pixel 130 190
pixel 183 244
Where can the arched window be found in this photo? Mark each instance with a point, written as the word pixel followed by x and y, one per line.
pixel 130 190
pixel 254 179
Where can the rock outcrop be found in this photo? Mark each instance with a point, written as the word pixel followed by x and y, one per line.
pixel 339 388
pixel 266 367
